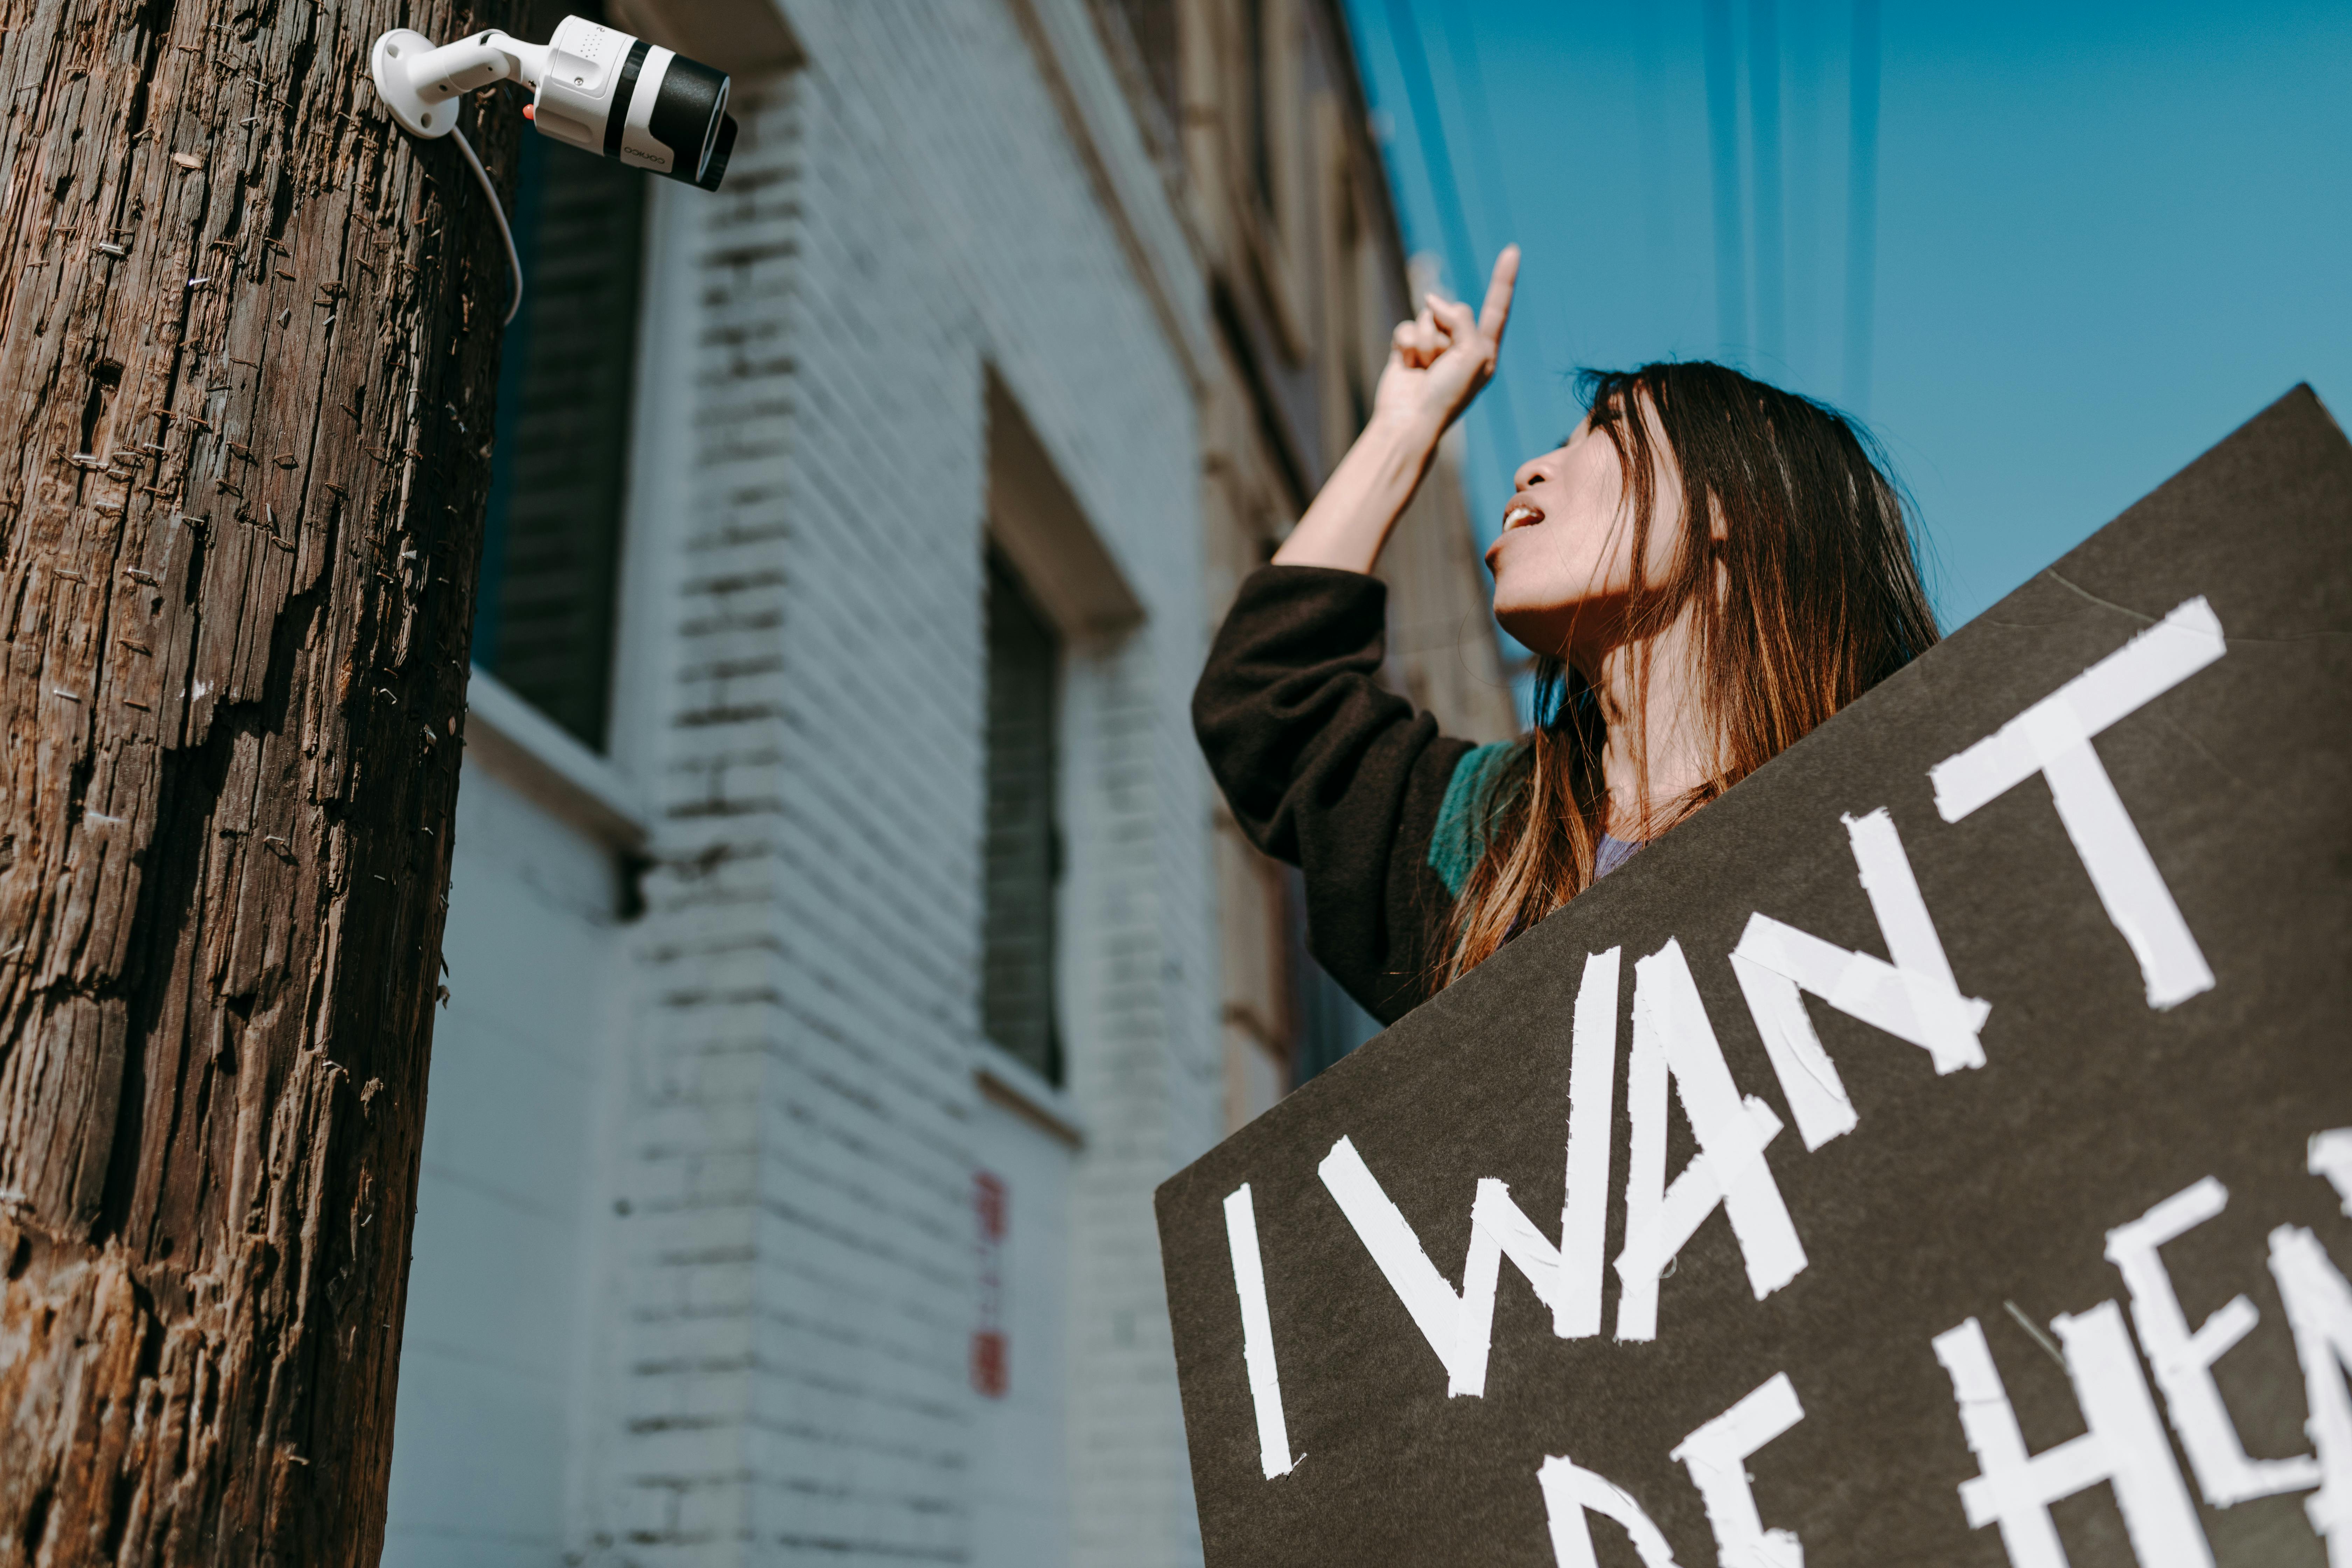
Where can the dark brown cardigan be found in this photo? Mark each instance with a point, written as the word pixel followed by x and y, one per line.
pixel 1331 772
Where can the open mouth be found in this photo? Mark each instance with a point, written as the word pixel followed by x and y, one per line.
pixel 1521 514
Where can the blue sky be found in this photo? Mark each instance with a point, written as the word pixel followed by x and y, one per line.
pixel 2103 236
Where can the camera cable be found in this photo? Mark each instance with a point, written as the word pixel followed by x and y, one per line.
pixel 499 210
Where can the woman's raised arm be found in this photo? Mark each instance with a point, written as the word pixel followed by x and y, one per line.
pixel 1437 363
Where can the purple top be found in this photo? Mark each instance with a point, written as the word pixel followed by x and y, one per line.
pixel 1613 853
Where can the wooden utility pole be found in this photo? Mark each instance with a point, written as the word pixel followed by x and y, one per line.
pixel 248 340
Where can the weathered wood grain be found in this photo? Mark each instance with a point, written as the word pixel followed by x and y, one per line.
pixel 247 363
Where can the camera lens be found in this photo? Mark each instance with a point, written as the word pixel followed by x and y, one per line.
pixel 688 113
pixel 722 149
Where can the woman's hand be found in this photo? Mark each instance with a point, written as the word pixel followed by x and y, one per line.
pixel 1437 365
pixel 1440 359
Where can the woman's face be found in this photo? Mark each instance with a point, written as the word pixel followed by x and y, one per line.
pixel 1564 565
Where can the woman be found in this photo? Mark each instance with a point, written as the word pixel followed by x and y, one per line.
pixel 1707 568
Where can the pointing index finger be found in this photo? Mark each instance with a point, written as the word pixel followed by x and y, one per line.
pixel 1497 307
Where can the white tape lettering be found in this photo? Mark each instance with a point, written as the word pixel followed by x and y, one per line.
pixel 1459 1325
pixel 2054 738
pixel 1570 1491
pixel 2184 1361
pixel 1257 1333
pixel 2331 1156
pixel 2319 1309
pixel 2125 1447
pixel 1584 1212
pixel 1443 1315
pixel 1716 1456
pixel 1914 998
pixel 1673 1039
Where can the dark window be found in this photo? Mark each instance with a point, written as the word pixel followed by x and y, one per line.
pixel 1023 849
pixel 1261 133
pixel 550 547
pixel 1350 304
pixel 1150 28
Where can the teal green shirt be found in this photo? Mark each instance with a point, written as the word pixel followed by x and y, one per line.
pixel 1459 842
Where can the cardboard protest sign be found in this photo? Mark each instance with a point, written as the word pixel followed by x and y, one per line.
pixel 1927 1154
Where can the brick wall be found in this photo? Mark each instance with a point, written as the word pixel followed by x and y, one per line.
pixel 490 1351
pixel 769 1277
pixel 788 1290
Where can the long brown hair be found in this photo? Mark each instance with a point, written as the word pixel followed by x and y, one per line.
pixel 1820 600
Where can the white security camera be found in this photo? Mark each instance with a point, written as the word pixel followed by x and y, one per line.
pixel 598 88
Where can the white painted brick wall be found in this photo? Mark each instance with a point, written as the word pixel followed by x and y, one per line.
pixel 490 1348
pixel 790 1293
pixel 768 1275
pixel 794 1144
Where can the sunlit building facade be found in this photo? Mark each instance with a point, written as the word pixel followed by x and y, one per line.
pixel 844 935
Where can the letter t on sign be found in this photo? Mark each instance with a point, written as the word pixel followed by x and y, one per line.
pixel 2053 738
